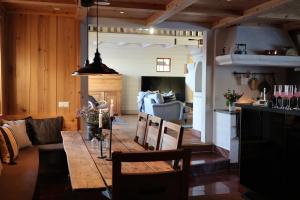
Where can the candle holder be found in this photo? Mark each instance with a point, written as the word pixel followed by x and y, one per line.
pixel 112 118
pixel 101 138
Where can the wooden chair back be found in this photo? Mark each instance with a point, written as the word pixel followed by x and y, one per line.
pixel 141 128
pixel 173 184
pixel 153 133
pixel 171 136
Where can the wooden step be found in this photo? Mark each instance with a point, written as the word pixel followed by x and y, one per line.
pixel 208 162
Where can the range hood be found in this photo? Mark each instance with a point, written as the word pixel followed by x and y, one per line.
pixel 258 39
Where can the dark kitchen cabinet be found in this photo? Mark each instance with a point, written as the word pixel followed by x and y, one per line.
pixel 270 142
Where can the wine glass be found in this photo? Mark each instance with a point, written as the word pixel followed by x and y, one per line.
pixel 281 95
pixel 297 95
pixel 289 93
pixel 276 94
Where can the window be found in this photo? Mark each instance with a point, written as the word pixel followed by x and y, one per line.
pixel 163 64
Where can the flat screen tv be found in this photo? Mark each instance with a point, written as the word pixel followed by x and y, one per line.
pixel 165 84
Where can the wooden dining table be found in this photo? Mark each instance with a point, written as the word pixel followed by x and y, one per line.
pixel 88 171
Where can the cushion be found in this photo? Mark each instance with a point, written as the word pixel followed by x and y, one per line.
pixel 29 129
pixel 156 97
pixel 46 131
pixel 19 181
pixel 8 145
pixel 168 97
pixel 19 130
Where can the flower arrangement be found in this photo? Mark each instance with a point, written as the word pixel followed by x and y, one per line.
pixel 90 114
pixel 231 97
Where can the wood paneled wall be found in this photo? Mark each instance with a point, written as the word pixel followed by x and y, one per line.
pixel 2 15
pixel 42 52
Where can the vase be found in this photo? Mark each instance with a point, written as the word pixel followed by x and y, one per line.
pixel 91 130
pixel 231 107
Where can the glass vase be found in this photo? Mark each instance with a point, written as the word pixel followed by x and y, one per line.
pixel 231 107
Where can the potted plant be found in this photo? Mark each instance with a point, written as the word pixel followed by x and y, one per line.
pixel 231 97
pixel 90 116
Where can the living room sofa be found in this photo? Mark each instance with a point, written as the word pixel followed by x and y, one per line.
pixel 20 180
pixel 170 111
pixel 156 104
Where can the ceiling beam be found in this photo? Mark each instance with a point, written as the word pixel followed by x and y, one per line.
pixel 291 26
pixel 136 6
pixel 202 11
pixel 281 16
pixel 172 8
pixel 251 13
pixel 81 12
pixel 41 3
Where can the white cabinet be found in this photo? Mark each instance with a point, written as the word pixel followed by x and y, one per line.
pixel 225 133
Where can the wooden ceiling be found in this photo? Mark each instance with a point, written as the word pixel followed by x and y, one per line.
pixel 209 13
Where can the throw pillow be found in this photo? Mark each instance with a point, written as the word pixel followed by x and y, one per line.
pixel 19 131
pixel 29 129
pixel 156 97
pixel 8 146
pixel 168 97
pixel 46 131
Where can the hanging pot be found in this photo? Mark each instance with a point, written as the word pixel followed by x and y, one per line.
pixel 264 84
pixel 253 82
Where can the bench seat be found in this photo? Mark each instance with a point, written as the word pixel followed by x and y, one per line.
pixel 19 181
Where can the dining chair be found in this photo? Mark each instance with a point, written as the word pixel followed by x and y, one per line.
pixel 171 136
pixel 162 185
pixel 153 133
pixel 141 128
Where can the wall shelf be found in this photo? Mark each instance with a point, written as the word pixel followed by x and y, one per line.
pixel 258 60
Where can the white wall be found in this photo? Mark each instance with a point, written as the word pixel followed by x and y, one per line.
pixel 258 39
pixel 225 80
pixel 133 61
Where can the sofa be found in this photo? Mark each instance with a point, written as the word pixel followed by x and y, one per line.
pixel 164 106
pixel 19 180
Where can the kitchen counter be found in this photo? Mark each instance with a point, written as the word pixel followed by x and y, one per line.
pixel 225 111
pixel 272 110
pixel 269 151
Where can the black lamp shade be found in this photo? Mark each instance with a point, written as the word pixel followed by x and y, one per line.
pixel 87 3
pixel 95 68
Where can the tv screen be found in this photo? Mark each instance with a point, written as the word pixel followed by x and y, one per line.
pixel 165 84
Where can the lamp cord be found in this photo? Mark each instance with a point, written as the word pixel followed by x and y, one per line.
pixel 97 26
pixel 87 33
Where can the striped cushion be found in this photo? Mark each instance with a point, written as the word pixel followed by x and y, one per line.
pixel 8 146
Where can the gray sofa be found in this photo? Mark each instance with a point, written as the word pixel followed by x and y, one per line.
pixel 170 111
pixel 153 104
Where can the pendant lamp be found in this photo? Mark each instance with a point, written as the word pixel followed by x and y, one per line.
pixel 96 67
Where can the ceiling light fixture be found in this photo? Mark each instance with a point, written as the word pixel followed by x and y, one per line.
pixel 151 30
pixel 122 12
pixel 97 67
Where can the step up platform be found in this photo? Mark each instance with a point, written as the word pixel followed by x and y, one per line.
pixel 208 159
pixel 208 163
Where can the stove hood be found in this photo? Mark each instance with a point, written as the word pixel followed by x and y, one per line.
pixel 258 39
